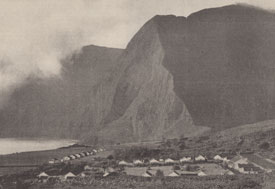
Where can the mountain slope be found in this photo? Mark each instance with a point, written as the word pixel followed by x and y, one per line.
pixel 145 106
pixel 222 62
pixel 214 68
pixel 67 106
pixel 177 76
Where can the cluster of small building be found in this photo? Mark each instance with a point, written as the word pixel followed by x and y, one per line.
pixel 170 161
pixel 238 163
pixel 76 173
pixel 200 166
pixel 242 165
pixel 169 171
pixel 75 156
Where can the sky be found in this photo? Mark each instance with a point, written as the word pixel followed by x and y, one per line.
pixel 36 34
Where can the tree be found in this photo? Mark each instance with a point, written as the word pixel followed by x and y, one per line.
pixel 182 145
pixel 176 167
pixel 146 160
pixel 110 157
pixel 188 167
pixel 265 145
pixel 159 174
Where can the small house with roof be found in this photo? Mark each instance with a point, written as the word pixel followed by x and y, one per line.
pixel 69 175
pixel 169 161
pixel 78 155
pixel 234 162
pixel 86 153
pixel 218 158
pixel 174 174
pixel 200 158
pixel 43 175
pixel 154 162
pixel 94 150
pixel 228 172
pixel 66 158
pixel 138 162
pixel 53 161
pixel 72 157
pixel 201 173
pixel 123 163
pixel 186 160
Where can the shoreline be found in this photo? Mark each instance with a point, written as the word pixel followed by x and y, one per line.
pixel 21 145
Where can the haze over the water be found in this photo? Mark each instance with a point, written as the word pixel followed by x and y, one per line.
pixel 10 145
pixel 36 34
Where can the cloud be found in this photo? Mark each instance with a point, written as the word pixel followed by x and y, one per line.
pixel 34 37
pixel 36 34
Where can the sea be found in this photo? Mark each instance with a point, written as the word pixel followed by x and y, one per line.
pixel 12 145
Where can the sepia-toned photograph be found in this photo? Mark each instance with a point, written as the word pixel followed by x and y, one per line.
pixel 137 94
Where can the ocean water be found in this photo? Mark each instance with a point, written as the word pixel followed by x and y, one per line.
pixel 11 145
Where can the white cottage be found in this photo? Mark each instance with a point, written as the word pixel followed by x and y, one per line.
pixel 66 158
pixel 52 161
pixel 186 159
pixel 173 174
pixel 154 161
pixel 218 158
pixel 200 158
pixel 43 175
pixel 123 163
pixel 78 155
pixel 228 172
pixel 72 157
pixel 137 162
pixel 201 173
pixel 169 160
pixel 69 175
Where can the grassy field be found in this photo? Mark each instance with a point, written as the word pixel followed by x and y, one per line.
pixel 189 182
pixel 42 157
pixel 13 170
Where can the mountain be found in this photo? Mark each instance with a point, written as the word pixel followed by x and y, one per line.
pixel 177 76
pixel 214 68
pixel 66 106
pixel 226 66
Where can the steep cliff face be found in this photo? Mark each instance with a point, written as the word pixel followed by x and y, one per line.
pixel 222 61
pixel 177 76
pixel 145 106
pixel 214 68
pixel 67 106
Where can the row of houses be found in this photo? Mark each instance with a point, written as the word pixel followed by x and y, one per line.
pixel 45 176
pixel 238 163
pixel 170 171
pixel 177 173
pixel 136 171
pixel 187 159
pixel 76 173
pixel 75 156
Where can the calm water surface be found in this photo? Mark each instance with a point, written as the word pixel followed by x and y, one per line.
pixel 11 145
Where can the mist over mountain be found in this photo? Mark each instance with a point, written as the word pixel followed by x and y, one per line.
pixel 177 76
pixel 67 106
